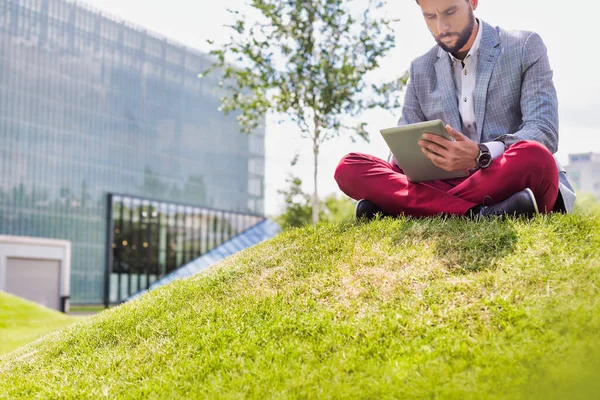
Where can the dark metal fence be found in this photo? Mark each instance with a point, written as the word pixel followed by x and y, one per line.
pixel 148 239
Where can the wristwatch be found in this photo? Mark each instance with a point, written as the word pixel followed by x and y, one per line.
pixel 484 159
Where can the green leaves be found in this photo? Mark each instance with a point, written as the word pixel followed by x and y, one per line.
pixel 307 58
pixel 298 208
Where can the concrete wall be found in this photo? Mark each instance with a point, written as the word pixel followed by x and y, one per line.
pixel 36 269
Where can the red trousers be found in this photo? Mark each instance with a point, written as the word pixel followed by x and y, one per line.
pixel 526 164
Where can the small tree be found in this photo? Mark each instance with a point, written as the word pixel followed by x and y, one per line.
pixel 298 210
pixel 308 60
pixel 339 209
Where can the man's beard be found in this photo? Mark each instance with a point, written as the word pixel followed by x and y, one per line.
pixel 463 37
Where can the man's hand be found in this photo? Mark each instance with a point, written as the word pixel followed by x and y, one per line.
pixel 450 156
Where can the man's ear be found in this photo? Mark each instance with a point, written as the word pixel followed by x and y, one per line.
pixel 474 4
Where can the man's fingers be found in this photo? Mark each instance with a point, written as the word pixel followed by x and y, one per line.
pixel 442 141
pixel 434 147
pixel 456 135
pixel 436 159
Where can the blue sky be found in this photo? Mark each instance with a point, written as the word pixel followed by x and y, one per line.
pixel 569 30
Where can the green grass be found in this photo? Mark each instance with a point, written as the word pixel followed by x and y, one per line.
pixel 22 321
pixel 439 308
pixel 89 309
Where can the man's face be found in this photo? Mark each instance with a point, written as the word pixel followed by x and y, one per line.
pixel 449 21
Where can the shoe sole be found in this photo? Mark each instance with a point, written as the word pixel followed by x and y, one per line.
pixel 356 209
pixel 532 197
pixel 369 214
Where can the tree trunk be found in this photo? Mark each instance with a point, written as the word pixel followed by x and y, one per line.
pixel 315 202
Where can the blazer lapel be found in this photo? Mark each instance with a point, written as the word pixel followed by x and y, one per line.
pixel 488 55
pixel 445 84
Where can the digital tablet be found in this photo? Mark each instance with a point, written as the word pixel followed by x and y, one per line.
pixel 403 143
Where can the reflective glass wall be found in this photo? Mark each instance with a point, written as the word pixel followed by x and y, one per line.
pixel 91 106
pixel 152 238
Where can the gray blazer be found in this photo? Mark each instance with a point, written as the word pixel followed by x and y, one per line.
pixel 514 95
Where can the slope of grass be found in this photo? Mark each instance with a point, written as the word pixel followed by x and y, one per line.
pixel 439 308
pixel 22 321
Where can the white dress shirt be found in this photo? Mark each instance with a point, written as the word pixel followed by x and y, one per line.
pixel 465 74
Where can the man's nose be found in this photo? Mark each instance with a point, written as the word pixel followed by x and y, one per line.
pixel 443 26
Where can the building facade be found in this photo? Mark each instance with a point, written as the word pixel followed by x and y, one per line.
pixel 584 172
pixel 110 140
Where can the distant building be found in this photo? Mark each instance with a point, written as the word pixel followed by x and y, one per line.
pixel 109 139
pixel 584 172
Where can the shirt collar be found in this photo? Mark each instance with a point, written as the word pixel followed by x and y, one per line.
pixel 475 48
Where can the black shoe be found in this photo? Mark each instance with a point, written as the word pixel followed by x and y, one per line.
pixel 520 203
pixel 368 210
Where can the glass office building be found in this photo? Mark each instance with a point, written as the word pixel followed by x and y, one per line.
pixel 109 139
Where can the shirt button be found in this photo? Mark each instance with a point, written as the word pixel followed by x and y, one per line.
pixel 469 125
pixel 466 72
pixel 465 99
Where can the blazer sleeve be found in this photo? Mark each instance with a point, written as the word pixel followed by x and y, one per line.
pixel 539 104
pixel 411 109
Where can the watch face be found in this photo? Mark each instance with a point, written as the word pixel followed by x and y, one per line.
pixel 484 160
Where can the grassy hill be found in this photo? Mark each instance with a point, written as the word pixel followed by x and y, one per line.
pixel 22 321
pixel 440 308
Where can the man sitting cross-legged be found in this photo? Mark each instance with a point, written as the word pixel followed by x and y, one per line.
pixel 496 87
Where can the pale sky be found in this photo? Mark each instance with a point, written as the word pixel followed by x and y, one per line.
pixel 569 30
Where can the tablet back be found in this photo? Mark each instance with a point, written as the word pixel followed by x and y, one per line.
pixel 403 143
